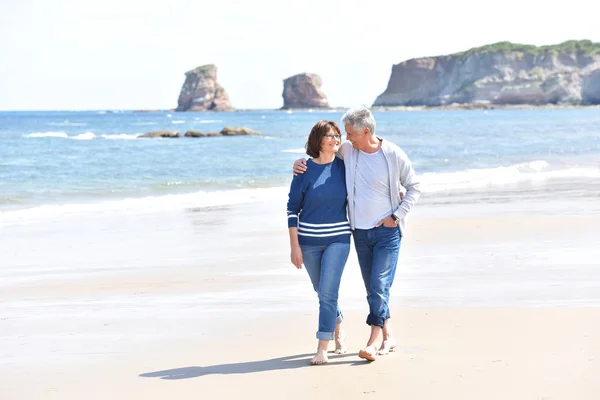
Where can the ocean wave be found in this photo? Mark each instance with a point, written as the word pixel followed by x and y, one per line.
pixel 298 151
pixel 144 123
pixel 122 136
pixel 18 162
pixel 143 205
pixel 83 136
pixel 207 121
pixel 46 134
pixel 537 171
pixel 178 121
pixel 67 123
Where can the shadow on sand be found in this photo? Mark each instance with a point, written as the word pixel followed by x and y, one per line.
pixel 289 362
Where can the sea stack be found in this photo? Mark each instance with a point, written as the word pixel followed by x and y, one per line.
pixel 303 91
pixel 201 92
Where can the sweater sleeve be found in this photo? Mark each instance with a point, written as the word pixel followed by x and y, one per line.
pixel 343 150
pixel 409 180
pixel 295 200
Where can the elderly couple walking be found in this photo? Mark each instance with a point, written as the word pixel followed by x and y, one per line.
pixel 363 188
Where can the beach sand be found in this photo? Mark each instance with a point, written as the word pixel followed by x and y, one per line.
pixel 491 301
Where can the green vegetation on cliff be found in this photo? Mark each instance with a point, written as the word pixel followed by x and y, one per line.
pixel 570 46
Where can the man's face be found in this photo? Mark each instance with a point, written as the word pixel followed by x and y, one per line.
pixel 356 136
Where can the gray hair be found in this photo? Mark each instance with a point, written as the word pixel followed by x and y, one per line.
pixel 359 118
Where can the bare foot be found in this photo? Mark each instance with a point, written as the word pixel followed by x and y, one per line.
pixel 368 353
pixel 387 346
pixel 340 346
pixel 320 358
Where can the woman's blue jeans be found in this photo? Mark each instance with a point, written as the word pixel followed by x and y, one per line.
pixel 377 250
pixel 325 265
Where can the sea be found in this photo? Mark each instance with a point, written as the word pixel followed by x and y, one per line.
pixel 61 162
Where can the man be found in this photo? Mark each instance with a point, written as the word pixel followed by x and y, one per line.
pixel 382 189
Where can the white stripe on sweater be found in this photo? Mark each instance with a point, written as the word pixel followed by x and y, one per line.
pixel 340 228
pixel 324 225
pixel 326 234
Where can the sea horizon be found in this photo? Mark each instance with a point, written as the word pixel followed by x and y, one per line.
pixel 449 107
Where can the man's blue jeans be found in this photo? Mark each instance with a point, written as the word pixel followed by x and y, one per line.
pixel 325 265
pixel 377 250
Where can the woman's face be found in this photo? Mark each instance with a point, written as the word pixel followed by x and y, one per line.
pixel 330 143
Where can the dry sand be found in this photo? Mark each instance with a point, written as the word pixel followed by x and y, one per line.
pixel 443 354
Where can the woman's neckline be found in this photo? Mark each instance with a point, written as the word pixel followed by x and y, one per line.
pixel 316 163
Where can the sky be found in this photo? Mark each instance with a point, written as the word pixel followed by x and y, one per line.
pixel 121 54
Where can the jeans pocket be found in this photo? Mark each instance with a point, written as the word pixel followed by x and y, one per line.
pixel 387 227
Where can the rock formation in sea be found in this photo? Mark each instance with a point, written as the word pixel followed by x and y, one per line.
pixel 160 134
pixel 226 131
pixel 303 91
pixel 201 92
pixel 502 73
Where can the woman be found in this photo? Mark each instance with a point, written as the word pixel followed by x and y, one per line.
pixel 319 229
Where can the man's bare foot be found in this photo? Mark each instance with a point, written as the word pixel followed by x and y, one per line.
pixel 320 358
pixel 340 345
pixel 387 346
pixel 368 353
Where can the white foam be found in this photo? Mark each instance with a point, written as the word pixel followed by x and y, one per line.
pixel 122 136
pixel 84 136
pixel 143 205
pixel 67 123
pixel 536 165
pixel 46 134
pixel 300 151
pixel 178 121
pixel 534 171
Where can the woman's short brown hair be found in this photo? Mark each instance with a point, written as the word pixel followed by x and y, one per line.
pixel 321 128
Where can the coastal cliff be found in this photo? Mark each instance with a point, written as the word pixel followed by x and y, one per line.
pixel 502 73
pixel 303 91
pixel 201 92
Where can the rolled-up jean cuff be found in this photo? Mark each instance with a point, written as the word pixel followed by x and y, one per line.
pixel 339 319
pixel 325 335
pixel 375 320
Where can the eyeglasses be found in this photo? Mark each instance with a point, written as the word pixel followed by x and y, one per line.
pixel 336 136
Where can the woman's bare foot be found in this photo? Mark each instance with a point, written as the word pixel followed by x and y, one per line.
pixel 320 358
pixel 368 353
pixel 388 345
pixel 340 345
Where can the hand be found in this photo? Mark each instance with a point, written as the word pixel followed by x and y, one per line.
pixel 388 222
pixel 296 257
pixel 300 166
pixel 401 196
